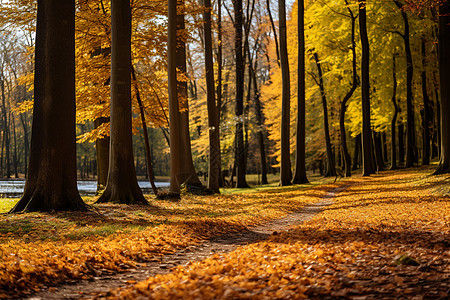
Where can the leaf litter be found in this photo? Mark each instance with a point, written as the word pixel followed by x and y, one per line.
pixel 385 237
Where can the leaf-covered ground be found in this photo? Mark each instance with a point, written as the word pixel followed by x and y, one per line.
pixel 387 236
pixel 41 250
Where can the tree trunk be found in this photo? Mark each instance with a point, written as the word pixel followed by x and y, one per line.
pixel 5 129
pixel 148 155
pixel 277 48
pixel 378 150
pixel 15 158
pixel 219 80
pixel 25 142
pixel 394 117
pixel 52 176
pixel 300 168
pixel 174 112
pixel 260 125
pixel 122 186
pixel 426 109
pixel 188 175
pixel 241 181
pixel 213 122
pixel 102 152
pixel 285 171
pixel 343 138
pixel 444 81
pixel 367 155
pixel 330 169
pixel 411 150
pixel 357 152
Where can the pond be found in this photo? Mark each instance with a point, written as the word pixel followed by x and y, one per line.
pixel 14 188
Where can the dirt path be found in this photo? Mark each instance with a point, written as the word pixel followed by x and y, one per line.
pixel 220 244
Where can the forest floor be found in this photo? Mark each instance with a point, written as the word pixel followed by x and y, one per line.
pixel 384 236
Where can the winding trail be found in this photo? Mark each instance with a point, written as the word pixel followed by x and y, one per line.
pixel 162 265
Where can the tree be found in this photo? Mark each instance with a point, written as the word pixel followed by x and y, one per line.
pixel 411 151
pixel 426 109
pixel 444 81
pixel 174 116
pixel 122 186
pixel 300 168
pixel 366 136
pixel 187 170
pixel 285 169
pixel 213 116
pixel 394 117
pixel 52 179
pixel 241 182
pixel 330 169
pixel 343 138
pixel 102 152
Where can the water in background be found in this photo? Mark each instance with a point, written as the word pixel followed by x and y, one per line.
pixel 14 188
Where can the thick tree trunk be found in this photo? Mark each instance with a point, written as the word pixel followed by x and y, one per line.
pixel 52 176
pixel 330 169
pixel 241 181
pixel 444 81
pixel 174 112
pixel 122 186
pixel 394 117
pixel 367 154
pixel 426 110
pixel 213 122
pixel 285 170
pixel 102 152
pixel 300 167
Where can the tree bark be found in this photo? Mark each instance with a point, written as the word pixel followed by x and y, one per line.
pixel 241 181
pixel 26 141
pixel 219 79
pixel 343 138
pixel 174 112
pixel 272 23
pixel 411 150
pixel 300 168
pixel 148 155
pixel 378 151
pixel 213 122
pixel 426 110
pixel 260 125
pixel 5 129
pixel 188 175
pixel 394 117
pixel 52 176
pixel 285 170
pixel 102 153
pixel 122 186
pixel 444 81
pixel 330 169
pixel 357 152
pixel 367 154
